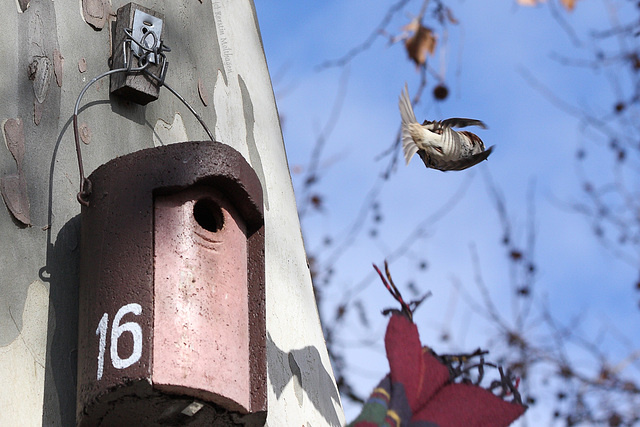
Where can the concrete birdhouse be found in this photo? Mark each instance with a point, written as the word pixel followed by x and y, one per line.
pixel 172 296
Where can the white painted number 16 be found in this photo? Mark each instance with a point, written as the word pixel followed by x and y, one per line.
pixel 116 330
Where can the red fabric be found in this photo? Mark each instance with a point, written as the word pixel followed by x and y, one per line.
pixel 413 366
pixel 430 393
pixel 468 405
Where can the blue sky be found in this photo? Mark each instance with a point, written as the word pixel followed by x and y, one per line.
pixel 484 63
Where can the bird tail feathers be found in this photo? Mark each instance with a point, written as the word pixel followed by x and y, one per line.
pixel 409 146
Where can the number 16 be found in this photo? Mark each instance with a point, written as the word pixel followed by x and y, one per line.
pixel 116 330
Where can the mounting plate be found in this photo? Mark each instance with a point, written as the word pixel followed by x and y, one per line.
pixel 147 29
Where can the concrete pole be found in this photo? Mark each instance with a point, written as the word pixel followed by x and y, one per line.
pixel 49 50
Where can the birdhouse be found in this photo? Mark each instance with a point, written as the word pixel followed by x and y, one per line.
pixel 172 290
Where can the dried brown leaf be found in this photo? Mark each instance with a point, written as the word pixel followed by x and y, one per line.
pixel 421 43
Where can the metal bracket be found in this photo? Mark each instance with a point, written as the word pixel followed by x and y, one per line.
pixel 147 30
pixel 138 47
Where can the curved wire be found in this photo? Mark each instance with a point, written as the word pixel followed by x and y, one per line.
pixel 163 47
pixel 85 183
pixel 184 101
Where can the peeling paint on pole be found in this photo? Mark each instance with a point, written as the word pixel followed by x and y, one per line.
pixel 85 133
pixel 95 13
pixel 14 139
pixel 38 109
pixel 23 5
pixel 40 72
pixel 169 133
pixel 58 61
pixel 14 186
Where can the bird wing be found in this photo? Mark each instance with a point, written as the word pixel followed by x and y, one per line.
pixel 456 165
pixel 457 122
pixel 451 143
pixel 406 110
pixel 409 146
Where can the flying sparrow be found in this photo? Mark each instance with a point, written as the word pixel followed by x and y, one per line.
pixel 438 145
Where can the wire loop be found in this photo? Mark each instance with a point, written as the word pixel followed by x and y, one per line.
pixel 152 55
